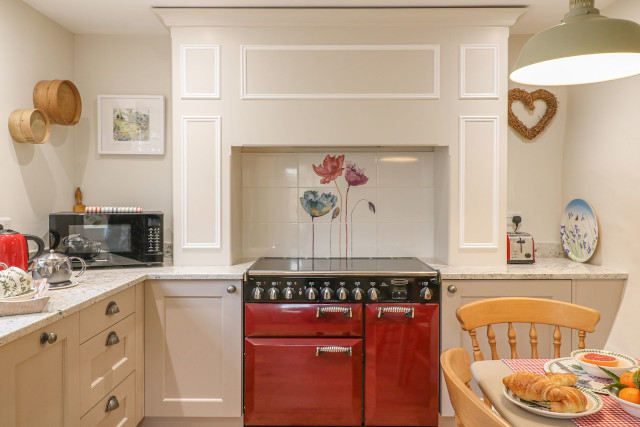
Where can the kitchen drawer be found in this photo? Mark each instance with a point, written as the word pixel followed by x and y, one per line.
pixel 302 320
pixel 96 318
pixel 303 381
pixel 122 416
pixel 104 363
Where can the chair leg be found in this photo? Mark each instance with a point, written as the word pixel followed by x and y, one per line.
pixel 457 420
pixel 486 401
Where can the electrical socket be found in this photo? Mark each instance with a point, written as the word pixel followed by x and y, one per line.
pixel 510 224
pixel 5 222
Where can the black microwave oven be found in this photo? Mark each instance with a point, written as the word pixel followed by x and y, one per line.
pixel 108 239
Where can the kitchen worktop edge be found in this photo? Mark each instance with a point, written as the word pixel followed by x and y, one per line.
pixel 96 285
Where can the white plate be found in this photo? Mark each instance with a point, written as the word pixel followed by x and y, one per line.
pixel 579 230
pixel 628 363
pixel 594 404
pixel 632 409
pixel 30 294
pixel 585 381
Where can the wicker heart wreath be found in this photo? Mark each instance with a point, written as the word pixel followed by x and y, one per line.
pixel 528 99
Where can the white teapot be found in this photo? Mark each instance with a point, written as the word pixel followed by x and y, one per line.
pixel 14 281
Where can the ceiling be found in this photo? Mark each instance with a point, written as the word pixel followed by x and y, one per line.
pixel 137 17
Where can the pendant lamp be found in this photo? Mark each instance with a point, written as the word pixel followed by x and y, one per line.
pixel 585 48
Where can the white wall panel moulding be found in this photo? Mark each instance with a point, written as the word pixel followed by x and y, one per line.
pixel 479 71
pixel 478 185
pixel 340 71
pixel 199 71
pixel 201 152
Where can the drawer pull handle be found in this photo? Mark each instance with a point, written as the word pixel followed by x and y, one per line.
pixel 344 310
pixel 452 289
pixel 112 308
pixel 48 338
pixel 231 289
pixel 112 339
pixel 112 404
pixel 334 349
pixel 407 311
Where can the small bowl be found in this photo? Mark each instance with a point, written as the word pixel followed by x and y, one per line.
pixel 630 408
pixel 626 363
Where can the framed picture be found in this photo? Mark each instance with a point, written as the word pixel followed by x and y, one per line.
pixel 130 124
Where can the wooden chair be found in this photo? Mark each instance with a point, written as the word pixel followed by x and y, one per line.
pixel 469 409
pixel 492 311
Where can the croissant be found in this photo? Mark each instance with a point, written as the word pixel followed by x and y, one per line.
pixel 562 379
pixel 530 386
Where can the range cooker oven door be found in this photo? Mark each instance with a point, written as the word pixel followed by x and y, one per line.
pixel 303 381
pixel 401 364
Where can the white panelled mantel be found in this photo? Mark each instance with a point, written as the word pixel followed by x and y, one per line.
pixel 288 78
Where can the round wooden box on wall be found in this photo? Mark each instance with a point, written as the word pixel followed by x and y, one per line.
pixel 30 125
pixel 60 99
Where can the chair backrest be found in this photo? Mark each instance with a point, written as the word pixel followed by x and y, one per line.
pixel 470 410
pixel 492 311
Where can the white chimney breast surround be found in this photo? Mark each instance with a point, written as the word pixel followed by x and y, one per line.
pixel 463 53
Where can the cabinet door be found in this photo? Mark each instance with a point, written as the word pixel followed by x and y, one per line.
pixel 466 291
pixel 40 385
pixel 193 348
pixel 401 364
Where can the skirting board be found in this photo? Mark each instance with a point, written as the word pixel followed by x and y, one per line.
pixel 191 422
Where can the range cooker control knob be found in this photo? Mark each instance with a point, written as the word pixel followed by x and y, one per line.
pixel 357 294
pixel 326 293
pixel 273 293
pixel 373 294
pixel 257 292
pixel 311 293
pixel 288 292
pixel 342 293
pixel 425 294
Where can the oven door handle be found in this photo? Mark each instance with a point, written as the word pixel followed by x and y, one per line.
pixel 332 309
pixel 334 349
pixel 407 311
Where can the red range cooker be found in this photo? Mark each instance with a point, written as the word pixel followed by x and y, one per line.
pixel 341 342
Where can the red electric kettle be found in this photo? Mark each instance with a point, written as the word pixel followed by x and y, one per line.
pixel 14 250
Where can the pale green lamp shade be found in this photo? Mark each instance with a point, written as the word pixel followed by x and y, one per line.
pixel 586 48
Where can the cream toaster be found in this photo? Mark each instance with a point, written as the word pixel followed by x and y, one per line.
pixel 520 248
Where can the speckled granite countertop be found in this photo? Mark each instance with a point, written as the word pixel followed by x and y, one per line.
pixel 96 285
pixel 544 268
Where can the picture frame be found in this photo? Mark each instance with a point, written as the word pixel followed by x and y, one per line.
pixel 131 124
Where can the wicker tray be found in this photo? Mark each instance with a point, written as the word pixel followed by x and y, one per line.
pixel 35 305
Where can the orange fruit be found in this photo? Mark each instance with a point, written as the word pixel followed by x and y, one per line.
pixel 630 395
pixel 627 379
pixel 600 359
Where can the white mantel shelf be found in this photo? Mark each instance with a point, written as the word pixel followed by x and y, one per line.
pixel 96 285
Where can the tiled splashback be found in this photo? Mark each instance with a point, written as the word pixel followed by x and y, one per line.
pixel 368 204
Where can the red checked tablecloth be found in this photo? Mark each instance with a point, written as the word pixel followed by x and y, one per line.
pixel 611 413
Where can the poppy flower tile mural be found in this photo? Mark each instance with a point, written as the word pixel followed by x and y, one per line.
pixel 343 209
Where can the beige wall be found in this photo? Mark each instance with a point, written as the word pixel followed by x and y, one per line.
pixel 34 179
pixel 123 65
pixel 39 179
pixel 601 155
pixel 534 170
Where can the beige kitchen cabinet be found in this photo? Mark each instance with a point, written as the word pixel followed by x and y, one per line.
pixel 39 381
pixel 604 296
pixel 193 351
